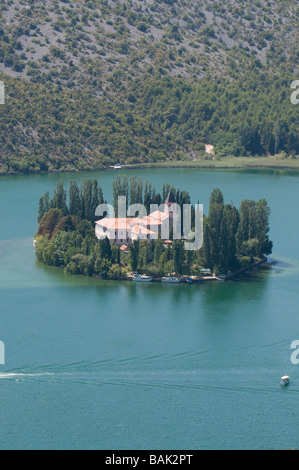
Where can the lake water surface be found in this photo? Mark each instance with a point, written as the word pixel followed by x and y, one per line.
pixel 105 365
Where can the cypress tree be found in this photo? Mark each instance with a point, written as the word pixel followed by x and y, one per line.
pixel 229 229
pixel 75 203
pixel 147 196
pixel 134 254
pixel 87 198
pixel 59 199
pixel 105 248
pixel 120 188
pixel 96 199
pixel 247 228
pixel 262 223
pixel 212 237
pixel 44 206
pixel 158 250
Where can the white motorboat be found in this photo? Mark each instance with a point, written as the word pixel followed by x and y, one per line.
pixel 205 271
pixel 170 279
pixel 285 380
pixel 142 278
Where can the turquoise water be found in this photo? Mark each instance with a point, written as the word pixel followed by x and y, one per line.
pixel 104 365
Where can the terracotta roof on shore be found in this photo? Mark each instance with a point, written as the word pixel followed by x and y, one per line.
pixel 139 229
pixel 115 223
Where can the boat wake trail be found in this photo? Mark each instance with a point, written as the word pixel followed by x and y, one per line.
pixel 167 380
pixel 22 375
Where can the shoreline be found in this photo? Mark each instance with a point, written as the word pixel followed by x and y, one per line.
pixel 183 278
pixel 232 163
pixel 197 279
pixel 229 163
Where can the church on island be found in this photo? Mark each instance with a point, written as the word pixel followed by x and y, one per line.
pixel 123 231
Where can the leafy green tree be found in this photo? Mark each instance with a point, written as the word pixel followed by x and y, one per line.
pixel 216 197
pixel 254 225
pixel 83 263
pixel 105 248
pixel 116 272
pixel 40 246
pixel 189 260
pixel 102 267
pixel 85 228
pixel 72 268
pixel 178 256
pixel 115 254
pixel 70 252
pixel 49 222
pixel 159 249
pixel 87 246
pixel 65 224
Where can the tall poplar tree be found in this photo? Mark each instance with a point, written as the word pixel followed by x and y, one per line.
pixel 59 199
pixel 75 203
pixel 44 206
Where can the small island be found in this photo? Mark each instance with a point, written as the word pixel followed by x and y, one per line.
pixel 72 237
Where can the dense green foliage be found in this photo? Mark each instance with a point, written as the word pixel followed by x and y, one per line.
pixel 50 129
pixel 89 84
pixel 233 238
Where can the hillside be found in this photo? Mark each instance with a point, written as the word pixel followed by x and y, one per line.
pixel 92 83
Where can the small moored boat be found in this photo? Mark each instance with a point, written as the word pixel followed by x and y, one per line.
pixel 285 380
pixel 170 279
pixel 205 271
pixel 189 281
pixel 142 278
